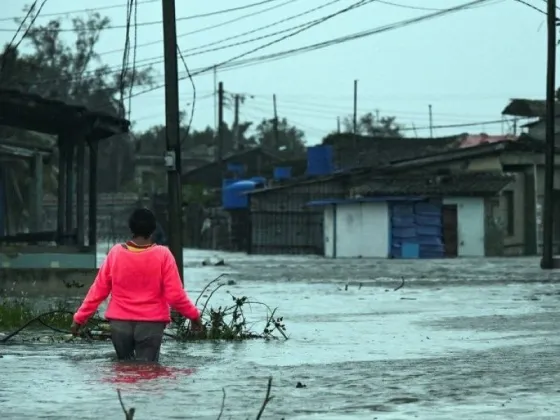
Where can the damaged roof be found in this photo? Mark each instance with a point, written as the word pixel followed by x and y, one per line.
pixel 527 108
pixel 465 184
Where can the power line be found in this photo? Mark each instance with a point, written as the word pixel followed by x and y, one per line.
pixel 72 12
pixel 159 22
pixel 309 26
pixel 236 63
pixel 427 9
pixel 195 51
pixel 299 29
pixel 210 27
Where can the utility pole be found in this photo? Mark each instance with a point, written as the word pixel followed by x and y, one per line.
pixel 215 99
pixel 220 148
pixel 173 152
pixel 431 119
pixel 338 125
pixel 237 100
pixel 548 262
pixel 355 122
pixel 275 124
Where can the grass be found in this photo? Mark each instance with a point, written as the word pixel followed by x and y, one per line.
pixel 16 312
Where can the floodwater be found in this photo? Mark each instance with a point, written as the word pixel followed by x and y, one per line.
pixel 469 338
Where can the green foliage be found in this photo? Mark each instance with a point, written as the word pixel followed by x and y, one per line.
pixel 16 312
pixel 373 125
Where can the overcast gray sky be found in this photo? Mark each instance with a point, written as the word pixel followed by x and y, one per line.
pixel 466 64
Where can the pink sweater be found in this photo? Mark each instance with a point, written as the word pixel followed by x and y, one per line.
pixel 142 286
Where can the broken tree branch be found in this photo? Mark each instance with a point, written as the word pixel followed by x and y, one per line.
pixel 267 398
pixel 400 286
pixel 223 404
pixel 129 414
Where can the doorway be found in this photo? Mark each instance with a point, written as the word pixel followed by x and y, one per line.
pixel 450 229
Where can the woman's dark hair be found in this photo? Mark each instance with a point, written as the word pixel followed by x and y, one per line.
pixel 142 223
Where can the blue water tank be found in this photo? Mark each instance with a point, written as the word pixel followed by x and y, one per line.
pixel 320 160
pixel 282 172
pixel 234 196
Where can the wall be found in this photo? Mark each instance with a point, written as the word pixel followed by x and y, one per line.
pixel 283 223
pixel 470 218
pixel 46 282
pixel 362 230
pixel 328 231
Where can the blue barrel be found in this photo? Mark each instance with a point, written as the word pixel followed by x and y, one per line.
pixel 234 195
pixel 320 160
pixel 282 172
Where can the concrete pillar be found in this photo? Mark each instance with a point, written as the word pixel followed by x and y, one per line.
pixel 530 211
pixel 37 193
pixel 70 184
pixel 92 211
pixel 61 191
pixel 80 191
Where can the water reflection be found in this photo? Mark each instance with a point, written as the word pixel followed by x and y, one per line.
pixel 132 373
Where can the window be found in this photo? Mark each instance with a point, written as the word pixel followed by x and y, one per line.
pixel 509 213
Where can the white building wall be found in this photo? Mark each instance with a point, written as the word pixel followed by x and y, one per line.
pixel 361 230
pixel 470 225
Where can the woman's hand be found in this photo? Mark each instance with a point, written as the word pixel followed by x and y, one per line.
pixel 197 325
pixel 75 328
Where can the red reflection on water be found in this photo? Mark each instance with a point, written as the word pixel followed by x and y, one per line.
pixel 132 373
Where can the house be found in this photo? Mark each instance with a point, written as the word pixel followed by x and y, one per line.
pixel 431 216
pixel 282 222
pixel 536 111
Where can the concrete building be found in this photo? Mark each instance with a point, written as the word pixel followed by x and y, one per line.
pixel 447 216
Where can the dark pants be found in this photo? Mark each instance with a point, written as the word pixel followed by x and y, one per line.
pixel 137 340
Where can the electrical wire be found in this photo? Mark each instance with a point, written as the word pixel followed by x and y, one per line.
pixel 210 27
pixel 126 52
pixel 236 63
pixel 193 95
pixel 73 12
pixel 159 22
pixel 427 9
pixel 525 3
pixel 194 51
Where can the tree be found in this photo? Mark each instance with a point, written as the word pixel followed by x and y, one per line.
pixel 290 142
pixel 371 125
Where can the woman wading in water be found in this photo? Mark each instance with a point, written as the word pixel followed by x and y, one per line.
pixel 143 281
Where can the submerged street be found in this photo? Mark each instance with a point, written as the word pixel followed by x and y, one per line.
pixel 461 338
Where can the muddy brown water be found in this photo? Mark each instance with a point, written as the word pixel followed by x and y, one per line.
pixel 476 339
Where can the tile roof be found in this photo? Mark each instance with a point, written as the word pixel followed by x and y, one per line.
pixel 465 184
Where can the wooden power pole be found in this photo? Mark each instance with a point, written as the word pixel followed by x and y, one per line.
pixel 173 144
pixel 275 122
pixel 547 261
pixel 220 148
